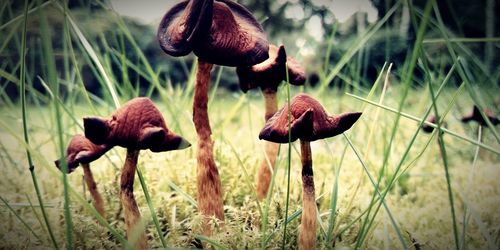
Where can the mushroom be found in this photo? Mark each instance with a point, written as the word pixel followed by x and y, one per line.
pixel 82 151
pixel 308 122
pixel 136 125
pixel 218 32
pixel 428 128
pixel 268 75
pixel 477 117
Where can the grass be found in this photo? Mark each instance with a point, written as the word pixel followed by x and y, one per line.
pixel 383 184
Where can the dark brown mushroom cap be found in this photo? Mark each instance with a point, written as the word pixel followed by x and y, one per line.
pixel 428 128
pixel 477 117
pixel 234 38
pixel 136 125
pixel 271 72
pixel 183 25
pixel 308 122
pixel 82 150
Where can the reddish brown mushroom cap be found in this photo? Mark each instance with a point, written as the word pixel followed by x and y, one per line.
pixel 136 125
pixel 271 72
pixel 477 117
pixel 308 122
pixel 183 25
pixel 82 150
pixel 225 33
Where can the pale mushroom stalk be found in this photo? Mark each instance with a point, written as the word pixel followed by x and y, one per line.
pixel 81 151
pixel 268 75
pixel 130 208
pixel 94 192
pixel 308 122
pixel 307 238
pixel 208 181
pixel 220 32
pixel 271 148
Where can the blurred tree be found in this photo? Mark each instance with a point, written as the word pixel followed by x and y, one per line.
pixel 465 18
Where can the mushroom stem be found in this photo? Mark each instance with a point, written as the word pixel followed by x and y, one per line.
pixel 96 196
pixel 208 180
pixel 271 102
pixel 307 238
pixel 265 171
pixel 132 214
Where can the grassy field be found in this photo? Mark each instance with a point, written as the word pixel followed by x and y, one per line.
pixel 382 184
pixel 417 200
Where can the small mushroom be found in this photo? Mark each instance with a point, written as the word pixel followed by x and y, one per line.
pixel 428 128
pixel 136 125
pixel 477 117
pixel 308 122
pixel 267 76
pixel 218 32
pixel 82 151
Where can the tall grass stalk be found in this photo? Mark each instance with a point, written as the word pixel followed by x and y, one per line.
pixel 22 91
pixel 423 121
pixel 245 172
pixel 90 52
pixel 289 159
pixel 395 175
pixel 468 188
pixel 356 46
pixel 407 78
pixel 464 73
pixel 151 208
pixel 48 53
pixel 366 226
pixel 370 135
pixel 19 218
pixel 112 91
pixel 21 17
pixel 82 201
pixel 265 212
pixel 442 149
pixel 333 203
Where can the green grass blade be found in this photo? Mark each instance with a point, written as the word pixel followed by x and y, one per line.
pixel 22 91
pixel 423 121
pixel 442 148
pixel 151 208
pixel 212 242
pixel 463 40
pixel 289 160
pixel 48 52
pixel 377 191
pixel 466 216
pixel 91 52
pixel 333 203
pixel 357 45
pixel 83 202
pixel 19 218
pixel 245 172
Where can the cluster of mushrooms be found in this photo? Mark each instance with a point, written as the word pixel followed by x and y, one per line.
pixel 137 125
pixel 474 116
pixel 225 33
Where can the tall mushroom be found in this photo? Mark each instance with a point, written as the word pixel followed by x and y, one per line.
pixel 218 32
pixel 308 122
pixel 136 125
pixel 82 151
pixel 268 75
